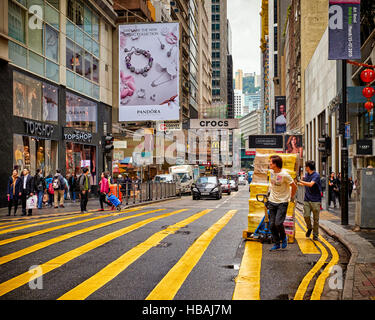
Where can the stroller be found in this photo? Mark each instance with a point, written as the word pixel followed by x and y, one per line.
pixel 263 232
pixel 114 200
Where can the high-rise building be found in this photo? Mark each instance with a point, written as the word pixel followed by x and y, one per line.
pixel 205 58
pixel 238 103
pixel 219 52
pixel 56 92
pixel 230 112
pixel 238 80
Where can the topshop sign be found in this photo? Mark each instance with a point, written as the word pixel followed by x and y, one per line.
pixel 77 136
pixel 39 129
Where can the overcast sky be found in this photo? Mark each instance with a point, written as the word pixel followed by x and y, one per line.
pixel 244 19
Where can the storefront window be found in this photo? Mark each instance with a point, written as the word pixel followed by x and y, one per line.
pixel 80 113
pixel 34 99
pixel 32 153
pixel 79 156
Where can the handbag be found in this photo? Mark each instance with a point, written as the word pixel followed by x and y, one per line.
pixel 32 202
pixel 45 197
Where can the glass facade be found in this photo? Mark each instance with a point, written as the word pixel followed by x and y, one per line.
pixel 35 44
pixel 81 113
pixel 82 49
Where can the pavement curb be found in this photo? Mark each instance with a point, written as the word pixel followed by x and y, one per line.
pixel 347 293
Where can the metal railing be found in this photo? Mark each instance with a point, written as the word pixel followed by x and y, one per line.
pixel 146 191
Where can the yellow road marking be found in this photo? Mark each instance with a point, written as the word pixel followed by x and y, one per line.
pixel 302 288
pixel 37 233
pixel 306 245
pixel 43 223
pixel 44 244
pixel 319 284
pixel 168 287
pixel 248 279
pixel 57 262
pixel 112 270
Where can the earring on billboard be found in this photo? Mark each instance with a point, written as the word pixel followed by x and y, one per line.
pixel 162 45
pixel 138 51
pixel 169 53
pixel 152 97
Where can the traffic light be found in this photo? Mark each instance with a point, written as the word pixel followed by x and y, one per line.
pixel 108 143
pixel 324 147
pixel 327 145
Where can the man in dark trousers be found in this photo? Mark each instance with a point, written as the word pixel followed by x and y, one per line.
pixel 84 187
pixel 27 190
pixel 313 188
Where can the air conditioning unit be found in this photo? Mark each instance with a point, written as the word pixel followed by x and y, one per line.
pixel 173 3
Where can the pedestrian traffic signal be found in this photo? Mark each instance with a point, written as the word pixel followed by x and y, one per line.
pixel 108 143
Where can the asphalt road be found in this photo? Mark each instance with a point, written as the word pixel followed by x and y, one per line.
pixel 193 253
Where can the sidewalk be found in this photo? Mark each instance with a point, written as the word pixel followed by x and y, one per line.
pixel 360 274
pixel 71 208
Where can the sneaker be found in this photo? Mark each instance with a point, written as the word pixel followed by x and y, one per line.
pixel 285 243
pixel 62 206
pixel 315 238
pixel 308 233
pixel 101 209
pixel 275 247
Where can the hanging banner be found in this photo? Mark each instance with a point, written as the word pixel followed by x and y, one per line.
pixel 149 72
pixel 280 114
pixel 344 30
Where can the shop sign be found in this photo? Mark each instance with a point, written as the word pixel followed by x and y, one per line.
pixel 364 147
pixel 78 136
pixel 38 129
pixel 214 124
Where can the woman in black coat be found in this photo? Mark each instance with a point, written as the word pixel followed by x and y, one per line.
pixel 13 191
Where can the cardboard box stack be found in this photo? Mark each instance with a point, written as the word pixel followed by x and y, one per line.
pixel 260 184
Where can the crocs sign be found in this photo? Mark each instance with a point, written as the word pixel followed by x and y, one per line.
pixel 214 124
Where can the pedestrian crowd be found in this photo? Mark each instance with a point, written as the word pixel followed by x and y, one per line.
pixel 51 191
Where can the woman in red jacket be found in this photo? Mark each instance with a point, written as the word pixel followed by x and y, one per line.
pixel 104 189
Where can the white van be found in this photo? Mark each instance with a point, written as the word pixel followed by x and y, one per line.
pixel 186 174
pixel 172 177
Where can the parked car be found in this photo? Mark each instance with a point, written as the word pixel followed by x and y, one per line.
pixel 225 186
pixel 206 187
pixel 173 178
pixel 242 180
pixel 233 185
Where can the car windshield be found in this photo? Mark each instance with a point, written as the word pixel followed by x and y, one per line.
pixel 203 180
pixel 223 181
pixel 183 176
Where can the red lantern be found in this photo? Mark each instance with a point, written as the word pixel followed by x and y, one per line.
pixel 368 92
pixel 368 75
pixel 369 105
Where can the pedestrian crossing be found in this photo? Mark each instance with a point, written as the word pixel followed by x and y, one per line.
pixel 67 239
pixel 86 288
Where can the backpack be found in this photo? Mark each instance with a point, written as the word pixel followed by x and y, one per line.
pixel 51 189
pixel 56 183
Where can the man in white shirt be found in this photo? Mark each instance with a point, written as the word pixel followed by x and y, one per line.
pixel 282 190
pixel 27 190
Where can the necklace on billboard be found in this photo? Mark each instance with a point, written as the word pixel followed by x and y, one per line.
pixel 162 45
pixel 138 51
pixel 163 72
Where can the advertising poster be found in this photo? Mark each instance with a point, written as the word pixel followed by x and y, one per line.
pixel 293 144
pixel 344 30
pixel 149 72
pixel 280 114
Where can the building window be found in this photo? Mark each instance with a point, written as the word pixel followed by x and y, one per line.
pixel 33 153
pixel 34 99
pixel 80 113
pixel 16 22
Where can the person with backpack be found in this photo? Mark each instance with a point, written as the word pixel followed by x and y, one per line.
pixel 59 189
pixel 39 187
pixel 50 190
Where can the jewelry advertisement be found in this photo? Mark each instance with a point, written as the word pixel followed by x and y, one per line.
pixel 149 72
